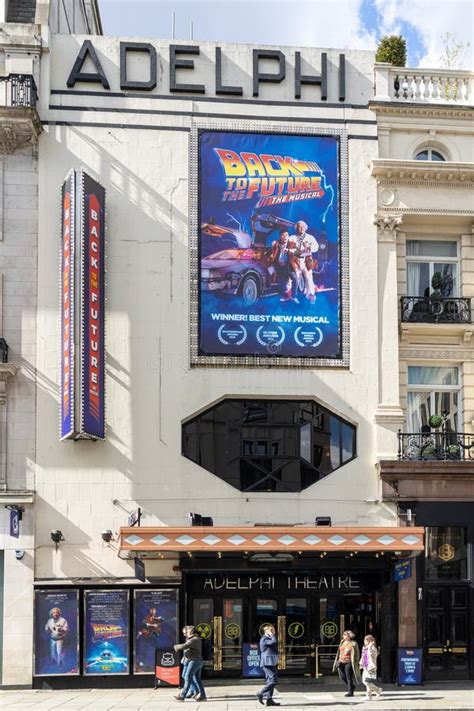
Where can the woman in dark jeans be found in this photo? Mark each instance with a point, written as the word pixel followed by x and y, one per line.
pixel 192 650
pixel 347 662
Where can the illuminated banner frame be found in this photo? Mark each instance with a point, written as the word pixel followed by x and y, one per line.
pixel 92 279
pixel 151 632
pixel 271 338
pixel 67 291
pixel 82 300
pixel 106 632
pixel 58 657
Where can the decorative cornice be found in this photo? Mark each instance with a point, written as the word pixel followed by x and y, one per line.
pixel 424 173
pixel 389 415
pixel 428 353
pixel 7 371
pixel 18 127
pixel 396 108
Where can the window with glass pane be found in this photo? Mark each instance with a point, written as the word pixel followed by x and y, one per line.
pixel 429 154
pixel 280 445
pixel 446 553
pixel 432 391
pixel 427 258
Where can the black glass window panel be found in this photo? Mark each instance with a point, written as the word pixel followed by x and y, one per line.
pixel 446 553
pixel 274 445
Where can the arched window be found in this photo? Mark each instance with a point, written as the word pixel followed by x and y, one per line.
pixel 269 445
pixel 429 154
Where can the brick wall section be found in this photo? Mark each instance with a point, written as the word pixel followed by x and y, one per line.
pixel 18 265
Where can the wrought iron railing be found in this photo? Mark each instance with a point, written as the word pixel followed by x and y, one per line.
pixel 19 91
pixel 435 445
pixel 435 309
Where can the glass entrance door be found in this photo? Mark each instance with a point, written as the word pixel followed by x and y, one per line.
pixel 447 633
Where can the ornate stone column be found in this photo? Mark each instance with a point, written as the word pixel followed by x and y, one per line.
pixel 7 371
pixel 389 414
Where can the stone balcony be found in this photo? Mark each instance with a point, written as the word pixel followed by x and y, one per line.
pixel 20 124
pixel 403 85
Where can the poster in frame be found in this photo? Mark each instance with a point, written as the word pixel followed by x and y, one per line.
pixel 269 245
pixel 56 633
pixel 106 632
pixel 155 626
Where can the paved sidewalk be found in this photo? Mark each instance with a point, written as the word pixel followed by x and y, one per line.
pixel 242 698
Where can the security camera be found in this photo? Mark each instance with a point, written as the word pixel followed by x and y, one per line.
pixel 107 535
pixel 19 554
pixel 57 536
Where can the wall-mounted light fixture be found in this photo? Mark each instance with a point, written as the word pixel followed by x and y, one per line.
pixel 57 537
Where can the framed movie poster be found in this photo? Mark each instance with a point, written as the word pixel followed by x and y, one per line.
pixel 106 632
pixel 56 640
pixel 269 248
pixel 155 626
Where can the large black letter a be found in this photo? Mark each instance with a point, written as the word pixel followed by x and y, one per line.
pixel 87 50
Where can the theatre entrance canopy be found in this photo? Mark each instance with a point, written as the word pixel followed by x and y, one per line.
pixel 271 539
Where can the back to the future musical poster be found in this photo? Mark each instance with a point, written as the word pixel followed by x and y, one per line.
pixel 56 651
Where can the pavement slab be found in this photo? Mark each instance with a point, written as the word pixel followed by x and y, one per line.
pixel 241 698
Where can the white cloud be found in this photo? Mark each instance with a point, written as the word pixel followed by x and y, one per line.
pixel 432 19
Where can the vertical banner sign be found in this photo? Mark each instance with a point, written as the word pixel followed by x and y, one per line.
pixel 251 661
pixel 106 632
pixel 92 414
pixel 56 633
pixel 66 389
pixel 155 627
pixel 269 245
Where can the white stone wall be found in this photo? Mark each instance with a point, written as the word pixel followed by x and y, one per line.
pixel 150 387
pixel 18 265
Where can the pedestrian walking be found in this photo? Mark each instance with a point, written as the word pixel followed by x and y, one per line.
pixel 368 664
pixel 192 650
pixel 347 662
pixel 268 662
pixel 193 689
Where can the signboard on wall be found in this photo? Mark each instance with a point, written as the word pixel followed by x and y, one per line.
pixel 56 633
pixel 82 387
pixel 402 570
pixel 269 248
pixel 155 626
pixel 66 389
pixel 106 632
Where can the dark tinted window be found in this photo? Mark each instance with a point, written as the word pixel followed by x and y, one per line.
pixel 276 445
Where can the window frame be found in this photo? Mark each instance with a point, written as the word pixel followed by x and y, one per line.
pixel 429 150
pixel 433 389
pixel 272 423
pixel 432 259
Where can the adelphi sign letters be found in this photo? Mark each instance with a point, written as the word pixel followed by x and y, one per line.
pixel 269 66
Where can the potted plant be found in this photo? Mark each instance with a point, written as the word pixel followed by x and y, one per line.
pixel 428 451
pixel 435 421
pixel 454 451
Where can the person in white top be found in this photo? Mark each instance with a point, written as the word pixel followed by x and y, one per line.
pixel 305 247
pixel 57 629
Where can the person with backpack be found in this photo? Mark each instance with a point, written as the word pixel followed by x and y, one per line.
pixel 368 664
pixel 192 650
pixel 268 662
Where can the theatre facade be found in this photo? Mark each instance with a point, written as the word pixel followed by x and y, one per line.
pixel 230 367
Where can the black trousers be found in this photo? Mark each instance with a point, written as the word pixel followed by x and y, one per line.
pixel 346 675
pixel 271 680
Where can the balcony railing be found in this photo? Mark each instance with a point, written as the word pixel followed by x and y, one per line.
pixel 432 86
pixel 19 91
pixel 426 446
pixel 435 309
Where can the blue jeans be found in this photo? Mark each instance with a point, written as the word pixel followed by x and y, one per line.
pixel 192 687
pixel 271 680
pixel 192 676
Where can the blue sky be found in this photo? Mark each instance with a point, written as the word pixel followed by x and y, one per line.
pixel 355 24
